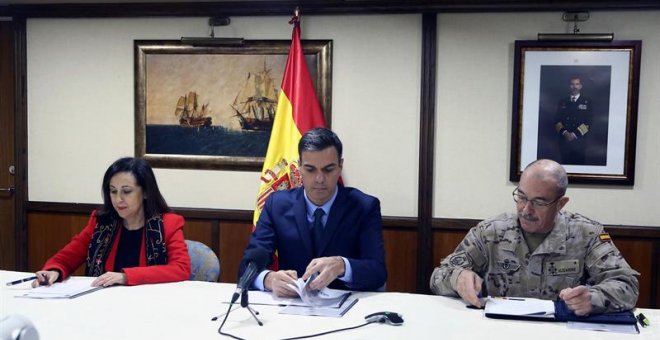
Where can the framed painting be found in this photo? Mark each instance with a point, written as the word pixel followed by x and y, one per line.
pixel 576 103
pixel 212 107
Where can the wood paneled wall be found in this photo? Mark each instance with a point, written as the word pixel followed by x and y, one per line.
pixel 51 226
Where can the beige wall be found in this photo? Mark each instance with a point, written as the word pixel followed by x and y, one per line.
pixel 80 86
pixel 475 71
pixel 81 116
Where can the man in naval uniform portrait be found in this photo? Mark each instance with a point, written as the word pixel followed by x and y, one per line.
pixel 573 124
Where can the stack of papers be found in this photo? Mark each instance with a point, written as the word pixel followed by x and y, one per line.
pixel 71 288
pixel 321 311
pixel 324 302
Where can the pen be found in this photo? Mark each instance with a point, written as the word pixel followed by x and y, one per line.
pixel 643 320
pixel 21 280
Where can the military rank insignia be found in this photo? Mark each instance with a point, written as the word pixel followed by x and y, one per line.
pixel 605 237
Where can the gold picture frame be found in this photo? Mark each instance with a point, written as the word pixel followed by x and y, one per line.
pixel 211 107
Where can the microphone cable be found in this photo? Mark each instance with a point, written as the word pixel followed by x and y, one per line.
pixel 223 323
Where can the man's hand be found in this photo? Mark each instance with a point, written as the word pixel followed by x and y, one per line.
pixel 329 268
pixel 468 285
pixel 577 299
pixel 109 278
pixel 278 281
pixel 45 278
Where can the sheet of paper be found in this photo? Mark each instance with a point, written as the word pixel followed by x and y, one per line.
pixel 603 327
pixel 520 306
pixel 71 288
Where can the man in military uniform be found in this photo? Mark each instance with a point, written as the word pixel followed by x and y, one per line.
pixel 572 123
pixel 540 252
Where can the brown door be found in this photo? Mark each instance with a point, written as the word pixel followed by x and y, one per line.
pixel 7 155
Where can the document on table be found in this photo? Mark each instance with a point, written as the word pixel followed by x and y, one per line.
pixel 321 311
pixel 71 288
pixel 325 297
pixel 323 302
pixel 547 310
pixel 267 298
pixel 520 307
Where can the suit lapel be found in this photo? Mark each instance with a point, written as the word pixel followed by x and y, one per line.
pixel 337 212
pixel 300 212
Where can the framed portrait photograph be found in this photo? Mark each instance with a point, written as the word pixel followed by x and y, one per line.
pixel 212 107
pixel 575 102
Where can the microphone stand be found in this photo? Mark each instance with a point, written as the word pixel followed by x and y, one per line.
pixel 244 304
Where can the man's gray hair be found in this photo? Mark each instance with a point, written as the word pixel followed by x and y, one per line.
pixel 554 170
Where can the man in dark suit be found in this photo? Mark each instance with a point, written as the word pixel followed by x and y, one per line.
pixel 573 123
pixel 322 228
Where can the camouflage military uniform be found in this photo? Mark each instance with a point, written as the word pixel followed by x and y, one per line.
pixel 576 252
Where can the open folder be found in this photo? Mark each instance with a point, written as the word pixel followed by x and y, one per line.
pixel 547 310
pixel 323 302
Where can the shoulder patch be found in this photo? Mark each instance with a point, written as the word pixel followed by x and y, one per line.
pixel 604 237
pixel 460 260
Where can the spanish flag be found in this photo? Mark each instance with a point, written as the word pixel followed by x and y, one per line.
pixel 298 111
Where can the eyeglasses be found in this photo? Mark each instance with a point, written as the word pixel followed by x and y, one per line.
pixel 536 203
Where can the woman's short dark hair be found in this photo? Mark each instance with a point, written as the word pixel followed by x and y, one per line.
pixel 154 203
pixel 319 139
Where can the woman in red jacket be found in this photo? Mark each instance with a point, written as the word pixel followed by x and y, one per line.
pixel 132 239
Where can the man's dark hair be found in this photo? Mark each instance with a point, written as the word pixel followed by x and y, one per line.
pixel 575 76
pixel 154 203
pixel 319 139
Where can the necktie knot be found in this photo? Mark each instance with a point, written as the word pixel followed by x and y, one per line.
pixel 318 214
pixel 573 99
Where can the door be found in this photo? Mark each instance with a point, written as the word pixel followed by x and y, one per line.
pixel 7 155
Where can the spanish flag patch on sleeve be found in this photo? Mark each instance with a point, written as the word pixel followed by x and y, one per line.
pixel 604 237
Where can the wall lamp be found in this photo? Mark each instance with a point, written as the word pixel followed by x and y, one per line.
pixel 212 40
pixel 575 17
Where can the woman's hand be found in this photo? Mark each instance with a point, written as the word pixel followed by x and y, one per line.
pixel 109 279
pixel 45 278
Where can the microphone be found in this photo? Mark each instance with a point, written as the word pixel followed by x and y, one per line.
pixel 256 259
pixel 17 326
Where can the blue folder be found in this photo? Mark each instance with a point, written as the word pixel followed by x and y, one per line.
pixel 563 314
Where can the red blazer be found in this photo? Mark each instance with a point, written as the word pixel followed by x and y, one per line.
pixel 74 254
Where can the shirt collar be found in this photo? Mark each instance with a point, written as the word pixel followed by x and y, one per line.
pixel 311 207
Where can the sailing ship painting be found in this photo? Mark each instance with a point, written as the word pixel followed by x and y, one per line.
pixel 212 107
pixel 189 113
pixel 256 102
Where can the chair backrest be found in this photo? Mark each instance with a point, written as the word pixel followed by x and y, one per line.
pixel 204 264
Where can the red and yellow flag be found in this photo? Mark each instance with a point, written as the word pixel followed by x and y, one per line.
pixel 298 111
